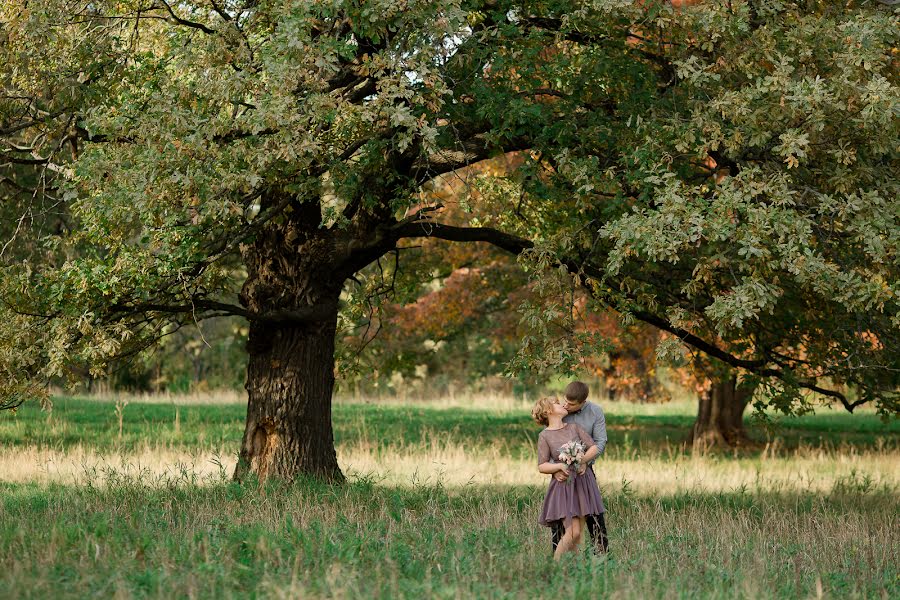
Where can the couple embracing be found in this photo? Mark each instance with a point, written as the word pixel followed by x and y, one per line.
pixel 574 436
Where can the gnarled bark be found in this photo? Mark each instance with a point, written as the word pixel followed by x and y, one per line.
pixel 293 286
pixel 290 379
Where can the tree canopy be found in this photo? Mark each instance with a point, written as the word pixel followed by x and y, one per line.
pixel 725 172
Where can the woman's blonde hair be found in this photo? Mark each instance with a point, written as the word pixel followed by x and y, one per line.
pixel 541 409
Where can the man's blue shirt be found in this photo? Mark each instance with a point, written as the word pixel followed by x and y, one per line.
pixel 592 420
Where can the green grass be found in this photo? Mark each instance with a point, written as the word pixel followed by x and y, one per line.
pixel 135 533
pixel 137 539
pixel 75 421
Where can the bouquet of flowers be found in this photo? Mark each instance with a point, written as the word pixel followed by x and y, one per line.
pixel 572 455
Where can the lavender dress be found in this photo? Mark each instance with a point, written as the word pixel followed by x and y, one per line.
pixel 569 499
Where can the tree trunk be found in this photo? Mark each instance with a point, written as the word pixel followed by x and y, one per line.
pixel 293 285
pixel 290 379
pixel 720 416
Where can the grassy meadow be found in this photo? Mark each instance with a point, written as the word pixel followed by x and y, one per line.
pixel 134 500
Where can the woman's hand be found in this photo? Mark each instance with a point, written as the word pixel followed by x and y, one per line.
pixel 581 469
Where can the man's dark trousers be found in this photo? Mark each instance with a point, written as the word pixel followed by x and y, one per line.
pixel 596 525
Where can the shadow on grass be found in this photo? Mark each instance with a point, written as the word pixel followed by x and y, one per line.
pixel 94 423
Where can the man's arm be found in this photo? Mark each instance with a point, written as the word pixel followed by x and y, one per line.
pixel 598 431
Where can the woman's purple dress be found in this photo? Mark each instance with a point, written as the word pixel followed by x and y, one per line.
pixel 569 499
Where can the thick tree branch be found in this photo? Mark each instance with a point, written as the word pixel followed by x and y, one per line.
pixel 226 245
pixel 578 37
pixel 516 245
pixel 698 343
pixel 424 229
pixel 185 22
pixel 25 125
pixel 300 315
pixel 469 151
pixel 144 307
pixel 757 367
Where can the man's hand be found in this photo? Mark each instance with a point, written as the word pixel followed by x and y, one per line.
pixel 561 475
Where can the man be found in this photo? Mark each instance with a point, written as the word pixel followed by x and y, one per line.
pixel 589 417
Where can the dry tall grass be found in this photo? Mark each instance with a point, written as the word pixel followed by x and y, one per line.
pixel 451 464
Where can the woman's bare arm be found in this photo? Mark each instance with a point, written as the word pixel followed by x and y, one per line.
pixel 549 468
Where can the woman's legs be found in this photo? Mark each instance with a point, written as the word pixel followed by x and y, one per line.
pixel 578 528
pixel 571 539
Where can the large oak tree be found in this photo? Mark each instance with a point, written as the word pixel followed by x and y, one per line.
pixel 725 172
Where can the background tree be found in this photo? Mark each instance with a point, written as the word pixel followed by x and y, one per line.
pixel 783 266
pixel 250 159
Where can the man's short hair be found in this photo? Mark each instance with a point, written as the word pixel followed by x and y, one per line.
pixel 576 392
